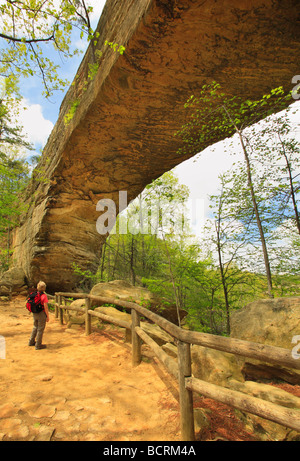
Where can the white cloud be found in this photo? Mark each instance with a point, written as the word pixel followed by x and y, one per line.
pixel 35 125
pixel 98 6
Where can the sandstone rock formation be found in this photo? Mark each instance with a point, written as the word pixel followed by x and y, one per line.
pixel 14 282
pixel 264 429
pixel 270 321
pixel 122 134
pixel 215 366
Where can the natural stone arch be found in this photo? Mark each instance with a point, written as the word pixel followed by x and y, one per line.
pixel 121 135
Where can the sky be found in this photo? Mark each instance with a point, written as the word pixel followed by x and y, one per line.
pixel 200 173
pixel 42 113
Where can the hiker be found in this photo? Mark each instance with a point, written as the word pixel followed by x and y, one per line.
pixel 40 319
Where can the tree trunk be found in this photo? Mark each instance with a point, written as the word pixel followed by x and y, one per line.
pixel 132 261
pixel 116 258
pixel 254 202
pixel 257 217
pixel 292 189
pixel 223 278
pixel 103 248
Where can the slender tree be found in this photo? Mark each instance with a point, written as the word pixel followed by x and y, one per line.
pixel 254 201
pixel 276 151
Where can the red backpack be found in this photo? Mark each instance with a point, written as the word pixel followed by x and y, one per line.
pixel 34 302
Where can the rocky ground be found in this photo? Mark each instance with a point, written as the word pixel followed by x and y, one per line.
pixel 84 388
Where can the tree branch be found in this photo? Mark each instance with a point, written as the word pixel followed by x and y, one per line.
pixel 26 40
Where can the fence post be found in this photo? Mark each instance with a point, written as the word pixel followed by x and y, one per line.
pixel 60 310
pixel 88 328
pixel 185 395
pixel 135 339
pixel 56 308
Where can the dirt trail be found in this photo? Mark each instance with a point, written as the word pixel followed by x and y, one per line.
pixel 81 387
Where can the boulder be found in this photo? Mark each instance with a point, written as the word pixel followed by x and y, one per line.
pixel 156 333
pixel 123 290
pixel 266 392
pixel 5 298
pixel 170 349
pixel 16 279
pixel 274 322
pixel 264 429
pixel 75 319
pixel 113 312
pixel 268 321
pixel 78 303
pixel 263 372
pixel 215 366
pixel 201 420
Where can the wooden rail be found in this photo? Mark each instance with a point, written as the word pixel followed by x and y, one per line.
pixel 182 369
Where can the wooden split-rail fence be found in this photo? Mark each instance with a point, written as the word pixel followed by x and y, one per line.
pixel 182 368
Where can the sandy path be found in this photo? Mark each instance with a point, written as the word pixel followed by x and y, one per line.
pixel 80 387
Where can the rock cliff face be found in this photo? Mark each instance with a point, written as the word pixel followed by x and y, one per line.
pixel 268 321
pixel 122 134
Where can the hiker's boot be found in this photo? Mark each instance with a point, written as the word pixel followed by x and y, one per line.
pixel 40 346
pixel 32 339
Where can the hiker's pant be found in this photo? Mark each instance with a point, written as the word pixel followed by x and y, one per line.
pixel 39 323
